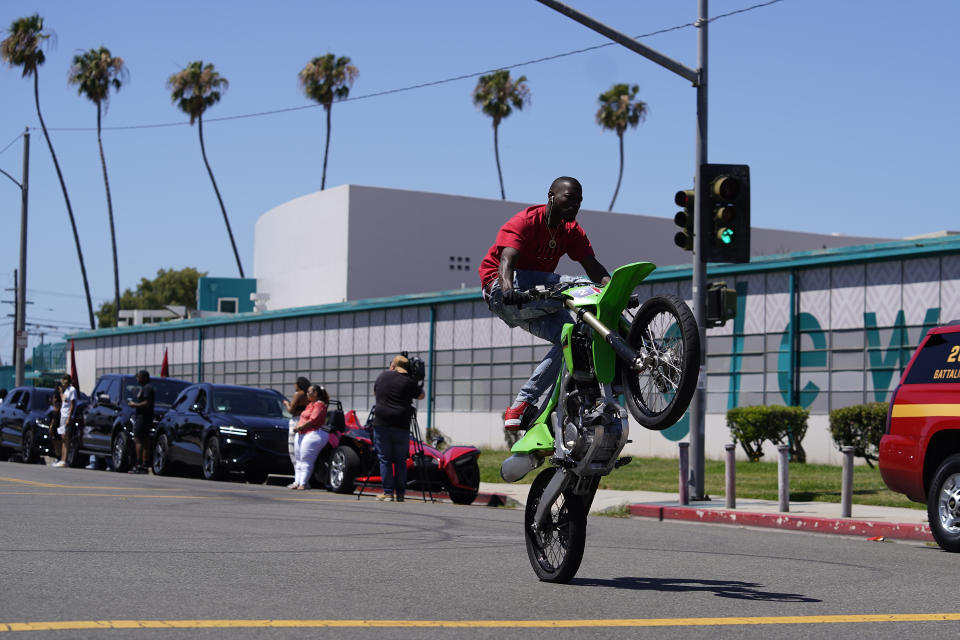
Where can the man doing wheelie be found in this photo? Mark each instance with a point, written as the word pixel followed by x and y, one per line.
pixel 525 254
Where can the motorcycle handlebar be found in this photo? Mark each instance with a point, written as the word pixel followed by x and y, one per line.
pixel 521 297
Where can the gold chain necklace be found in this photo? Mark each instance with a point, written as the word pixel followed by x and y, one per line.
pixel 553 242
pixel 553 234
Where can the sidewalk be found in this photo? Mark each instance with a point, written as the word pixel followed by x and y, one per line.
pixel 820 517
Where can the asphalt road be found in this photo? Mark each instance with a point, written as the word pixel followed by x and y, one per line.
pixel 144 557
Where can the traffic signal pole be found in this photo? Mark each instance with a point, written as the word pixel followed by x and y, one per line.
pixel 699 79
pixel 698 406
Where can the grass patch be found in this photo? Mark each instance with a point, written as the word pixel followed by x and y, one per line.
pixel 623 511
pixel 757 480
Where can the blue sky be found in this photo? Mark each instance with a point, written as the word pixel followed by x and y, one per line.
pixel 846 112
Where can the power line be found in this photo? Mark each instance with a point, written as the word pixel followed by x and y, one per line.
pixel 68 295
pixel 11 143
pixel 423 85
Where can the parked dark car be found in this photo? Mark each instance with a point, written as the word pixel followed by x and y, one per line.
pixel 106 429
pixel 221 429
pixel 23 430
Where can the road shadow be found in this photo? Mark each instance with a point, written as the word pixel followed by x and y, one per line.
pixel 721 588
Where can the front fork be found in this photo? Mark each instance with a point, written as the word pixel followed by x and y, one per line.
pixel 620 346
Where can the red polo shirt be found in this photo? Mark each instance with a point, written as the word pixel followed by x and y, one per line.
pixel 527 232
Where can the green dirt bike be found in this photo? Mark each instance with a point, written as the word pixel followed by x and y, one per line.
pixel 652 361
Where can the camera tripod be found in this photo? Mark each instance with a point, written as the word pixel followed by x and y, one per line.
pixel 418 454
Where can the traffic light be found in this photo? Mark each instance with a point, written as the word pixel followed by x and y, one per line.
pixel 721 304
pixel 684 219
pixel 725 212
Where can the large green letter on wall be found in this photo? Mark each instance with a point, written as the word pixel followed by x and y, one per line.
pixel 810 326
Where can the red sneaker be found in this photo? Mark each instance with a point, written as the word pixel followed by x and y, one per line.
pixel 513 416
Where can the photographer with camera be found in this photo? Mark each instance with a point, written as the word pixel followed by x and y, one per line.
pixel 395 390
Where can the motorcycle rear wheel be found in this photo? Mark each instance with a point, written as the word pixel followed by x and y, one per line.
pixel 659 396
pixel 556 549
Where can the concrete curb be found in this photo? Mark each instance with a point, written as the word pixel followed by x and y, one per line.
pixel 843 526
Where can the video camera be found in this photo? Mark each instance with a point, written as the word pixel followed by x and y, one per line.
pixel 418 370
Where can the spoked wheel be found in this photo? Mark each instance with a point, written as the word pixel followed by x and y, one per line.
pixel 943 504
pixel 665 334
pixel 555 549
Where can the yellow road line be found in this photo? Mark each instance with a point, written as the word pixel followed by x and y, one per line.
pixel 77 625
pixel 106 495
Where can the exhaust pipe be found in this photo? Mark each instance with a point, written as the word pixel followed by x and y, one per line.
pixel 519 465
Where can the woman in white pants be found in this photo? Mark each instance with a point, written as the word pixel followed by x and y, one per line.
pixel 310 437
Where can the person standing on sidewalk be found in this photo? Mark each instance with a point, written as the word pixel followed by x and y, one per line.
pixel 68 401
pixel 311 436
pixel 142 420
pixel 295 406
pixel 395 390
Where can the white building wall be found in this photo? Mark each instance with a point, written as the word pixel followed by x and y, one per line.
pixel 300 251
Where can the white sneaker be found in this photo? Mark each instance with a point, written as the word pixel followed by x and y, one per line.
pixel 59 463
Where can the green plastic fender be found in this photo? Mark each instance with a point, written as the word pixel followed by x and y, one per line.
pixel 610 305
pixel 537 438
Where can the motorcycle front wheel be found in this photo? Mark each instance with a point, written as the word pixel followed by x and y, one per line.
pixel 555 549
pixel 665 332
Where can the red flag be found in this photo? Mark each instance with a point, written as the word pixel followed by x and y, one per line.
pixel 73 366
pixel 164 368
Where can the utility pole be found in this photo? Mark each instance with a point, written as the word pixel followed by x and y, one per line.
pixel 699 79
pixel 13 353
pixel 20 332
pixel 21 325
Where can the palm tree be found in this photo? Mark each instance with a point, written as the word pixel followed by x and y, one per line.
pixel 194 89
pixel 23 48
pixel 617 111
pixel 497 95
pixel 325 79
pixel 95 72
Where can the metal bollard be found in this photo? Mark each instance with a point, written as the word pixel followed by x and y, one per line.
pixel 783 477
pixel 684 473
pixel 730 485
pixel 846 488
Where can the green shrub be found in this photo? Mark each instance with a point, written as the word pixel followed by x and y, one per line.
pixel 861 427
pixel 751 426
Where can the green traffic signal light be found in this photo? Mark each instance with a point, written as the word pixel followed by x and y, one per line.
pixel 725 212
pixel 723 218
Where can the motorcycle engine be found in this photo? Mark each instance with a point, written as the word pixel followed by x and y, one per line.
pixel 596 442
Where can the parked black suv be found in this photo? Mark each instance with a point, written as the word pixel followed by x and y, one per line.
pixel 23 429
pixel 221 428
pixel 106 428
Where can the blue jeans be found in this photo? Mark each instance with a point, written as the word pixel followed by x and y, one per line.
pixel 544 319
pixel 393 449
